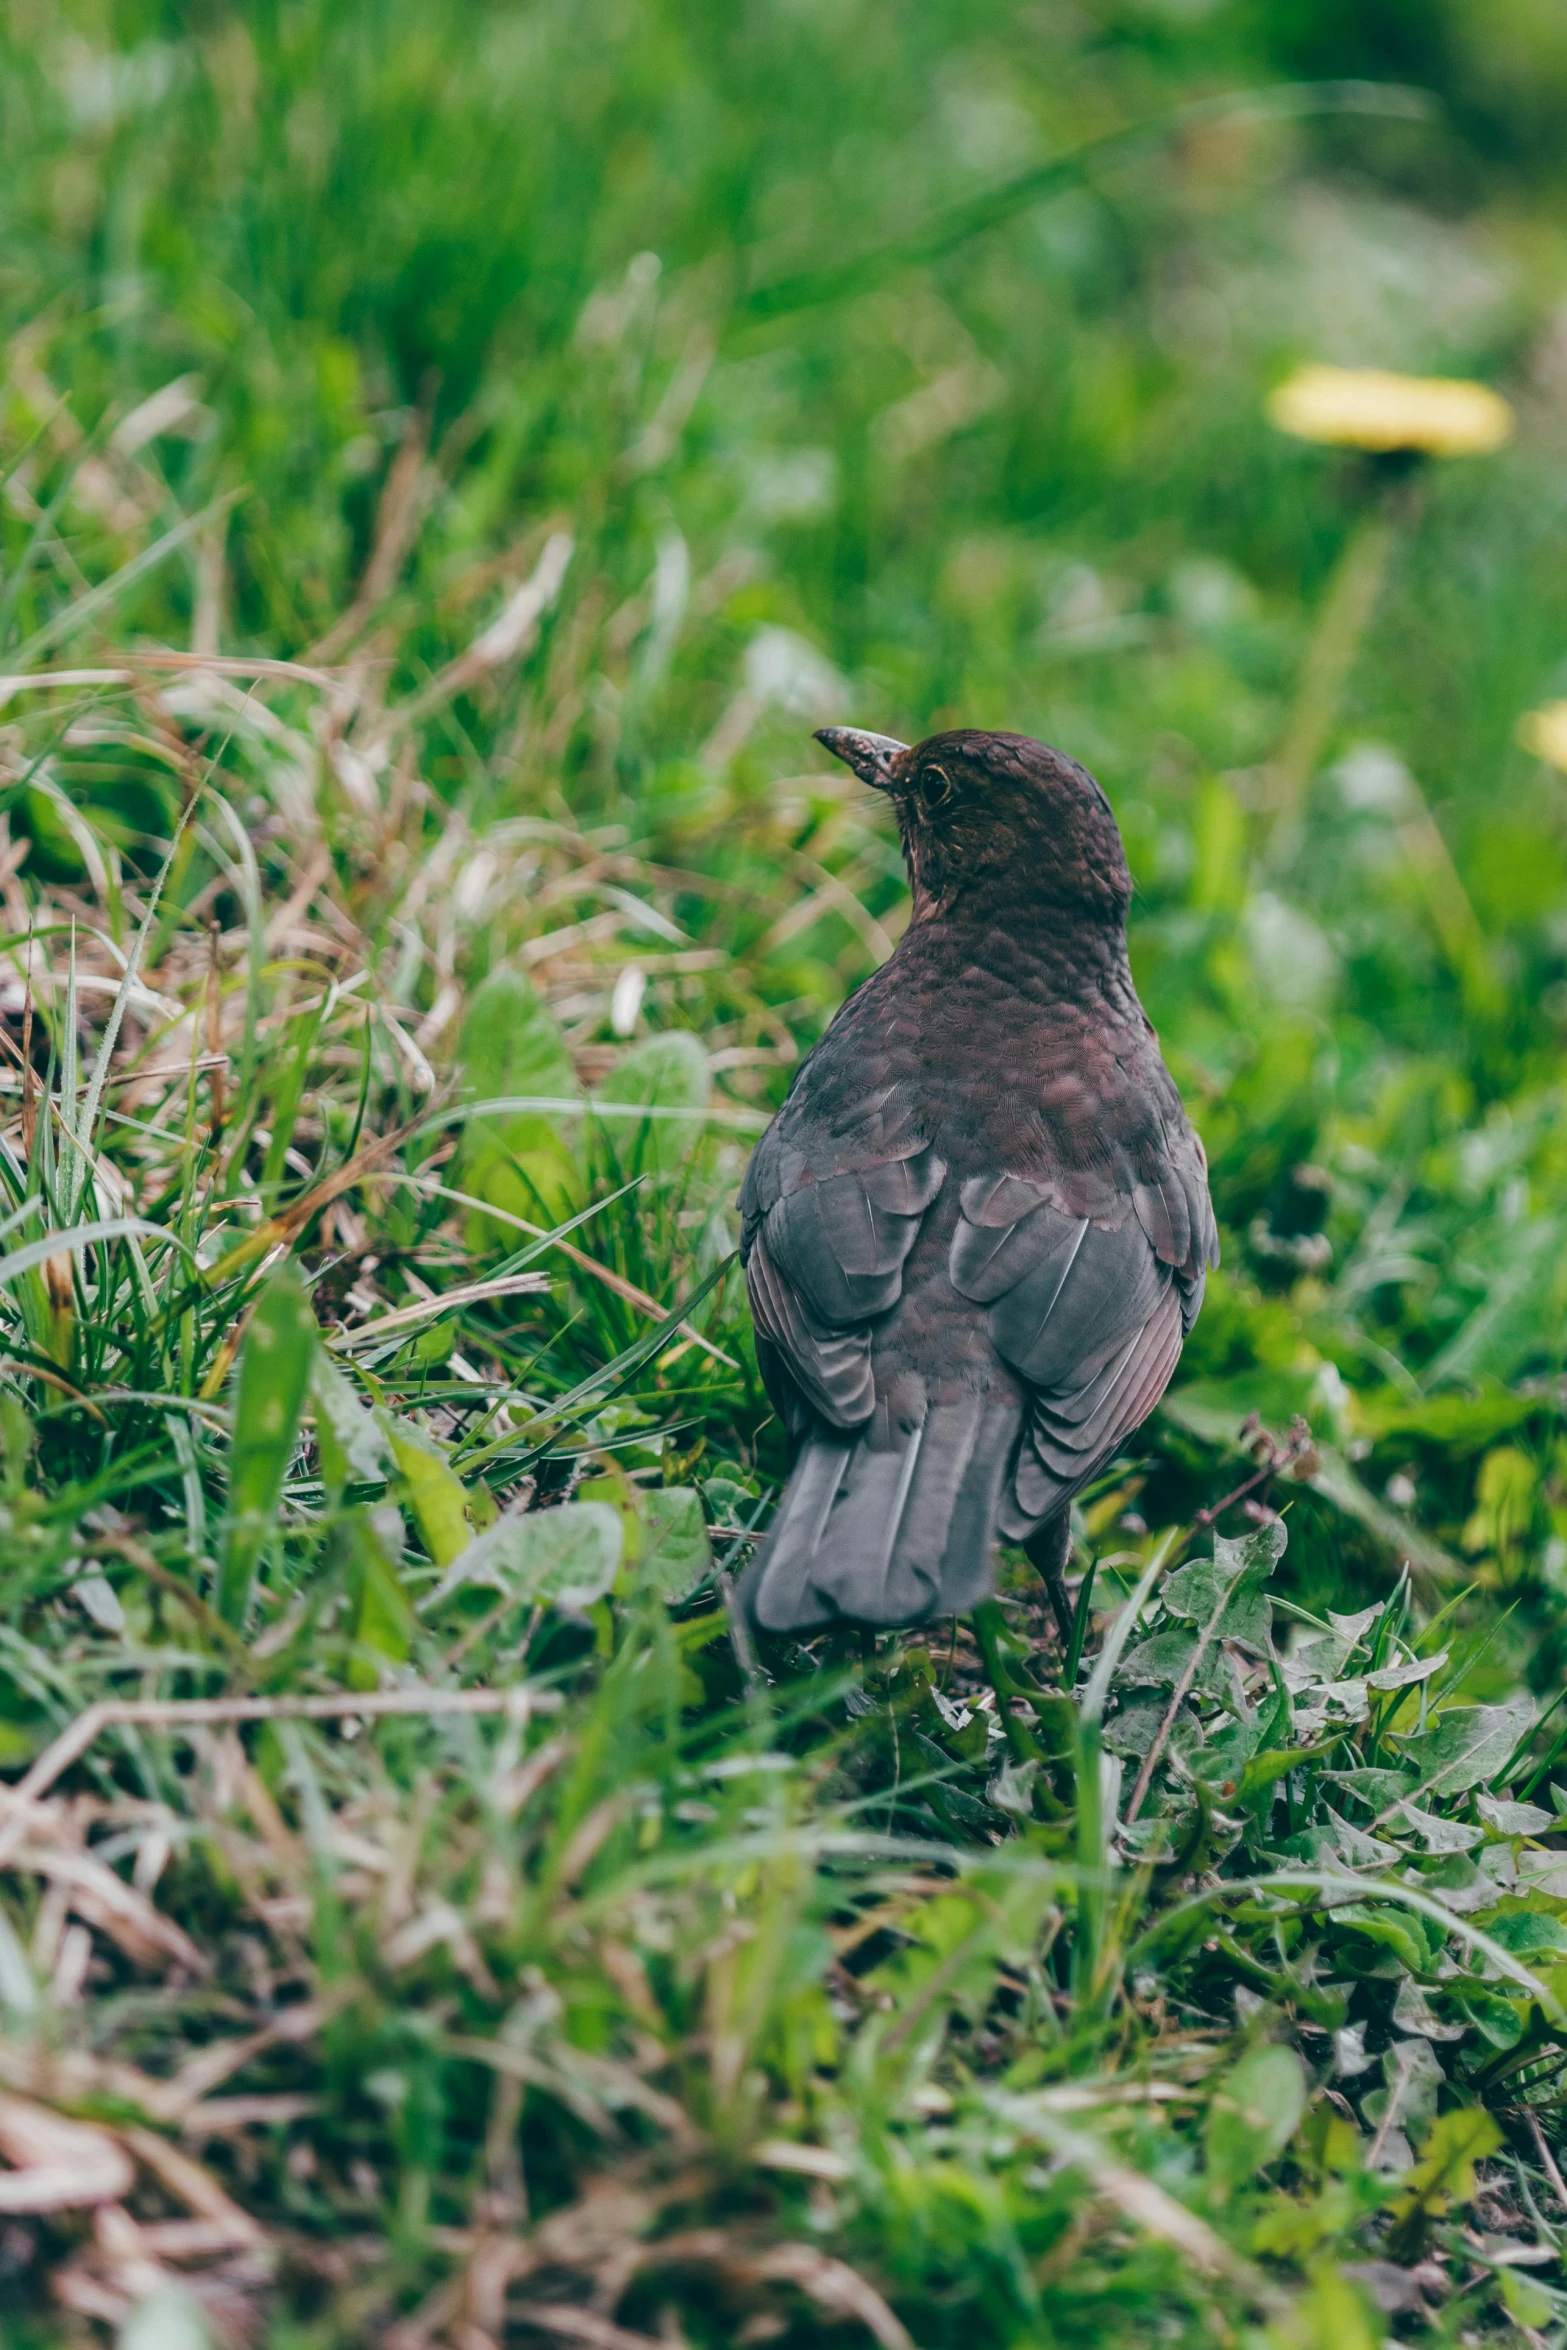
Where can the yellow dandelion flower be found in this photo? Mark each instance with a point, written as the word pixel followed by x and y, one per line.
pixel 1544 732
pixel 1368 408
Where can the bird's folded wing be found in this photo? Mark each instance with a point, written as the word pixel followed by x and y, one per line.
pixel 829 1219
pixel 1089 1309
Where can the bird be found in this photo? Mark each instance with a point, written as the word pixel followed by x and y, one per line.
pixel 976 1234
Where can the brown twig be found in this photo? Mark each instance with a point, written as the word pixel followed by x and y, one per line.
pixel 1279 1458
pixel 1547 2158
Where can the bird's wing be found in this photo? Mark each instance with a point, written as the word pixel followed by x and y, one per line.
pixel 1091 1283
pixel 830 1210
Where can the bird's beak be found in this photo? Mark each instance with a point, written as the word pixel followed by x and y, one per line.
pixel 870 755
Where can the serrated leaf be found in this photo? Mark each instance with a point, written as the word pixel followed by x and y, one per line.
pixel 1437 1834
pixel 1444 2174
pixel 1413 2079
pixel 1166 1658
pixel 1224 1595
pixel 1413 2013
pixel 1134 1726
pixel 1331 1701
pixel 1404 1676
pixel 1513 1819
pixel 1357 1848
pixel 1253 2114
pixel 1375 1788
pixel 1465 1745
pixel 1324 1658
pixel 1266 1769
pixel 566 1557
pixel 1354 1628
pixel 1459 1885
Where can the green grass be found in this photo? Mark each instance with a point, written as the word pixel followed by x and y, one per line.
pixel 417 892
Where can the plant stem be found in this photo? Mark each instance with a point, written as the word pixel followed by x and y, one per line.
pixel 1343 620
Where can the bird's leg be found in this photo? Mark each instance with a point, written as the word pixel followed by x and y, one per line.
pixel 1048 1548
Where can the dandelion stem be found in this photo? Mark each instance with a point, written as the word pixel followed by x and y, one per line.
pixel 1346 614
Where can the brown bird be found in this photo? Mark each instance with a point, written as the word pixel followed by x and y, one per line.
pixel 976 1234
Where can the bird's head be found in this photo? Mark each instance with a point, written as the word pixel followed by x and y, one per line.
pixel 995 817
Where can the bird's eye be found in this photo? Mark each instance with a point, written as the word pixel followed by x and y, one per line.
pixel 937 788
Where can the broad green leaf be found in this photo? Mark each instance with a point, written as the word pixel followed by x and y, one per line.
pixel 1443 2175
pixel 1457 1883
pixel 1414 2014
pixel 1529 1933
pixel 566 1557
pixel 1133 1728
pixel 1332 2314
pixel 676 1554
pixel 434 1494
pixel 1465 1745
pixel 512 1047
pixel 1502 2022
pixel 1253 2114
pixel 1406 1674
pixel 1376 1788
pixel 1505 1492
pixel 1437 1834
pixel 275 1360
pixel 1356 1846
pixel 1353 1629
pixel 512 1044
pixel 1526 2300
pixel 348 1438
pixel 1513 1819
pixel 1167 1657
pixel 1266 1769
pixel 1397 1930
pixel 668 1072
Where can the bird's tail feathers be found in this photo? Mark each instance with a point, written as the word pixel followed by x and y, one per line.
pixel 891 1525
